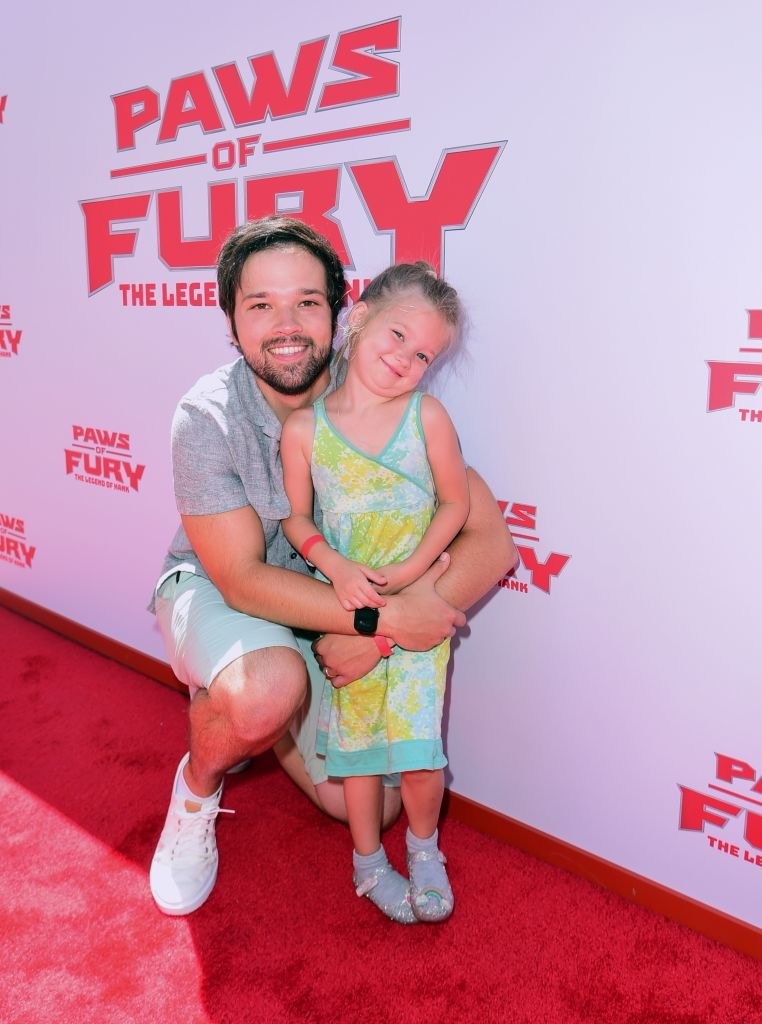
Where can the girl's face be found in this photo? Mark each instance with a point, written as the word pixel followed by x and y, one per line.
pixel 397 342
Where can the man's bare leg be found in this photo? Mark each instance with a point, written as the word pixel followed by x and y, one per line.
pixel 246 709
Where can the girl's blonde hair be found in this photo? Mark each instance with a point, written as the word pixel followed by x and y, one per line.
pixel 408 277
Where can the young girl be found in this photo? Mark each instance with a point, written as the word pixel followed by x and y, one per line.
pixel 385 465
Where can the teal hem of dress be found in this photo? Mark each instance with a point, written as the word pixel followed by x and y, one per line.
pixel 402 756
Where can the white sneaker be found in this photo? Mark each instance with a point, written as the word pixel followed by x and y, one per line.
pixel 184 867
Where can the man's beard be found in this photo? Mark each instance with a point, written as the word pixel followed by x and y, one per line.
pixel 295 378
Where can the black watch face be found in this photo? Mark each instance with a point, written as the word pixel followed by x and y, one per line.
pixel 366 620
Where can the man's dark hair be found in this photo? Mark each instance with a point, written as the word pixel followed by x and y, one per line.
pixel 270 233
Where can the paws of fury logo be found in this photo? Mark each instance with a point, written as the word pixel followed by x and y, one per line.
pixel 103 458
pixel 256 112
pixel 726 380
pixel 13 543
pixel 736 796
pixel 10 337
pixel 521 520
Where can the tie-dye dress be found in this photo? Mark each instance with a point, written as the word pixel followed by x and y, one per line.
pixel 375 511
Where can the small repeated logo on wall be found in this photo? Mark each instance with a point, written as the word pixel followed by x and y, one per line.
pixel 13 542
pixel 10 337
pixel 738 780
pixel 103 458
pixel 521 520
pixel 726 380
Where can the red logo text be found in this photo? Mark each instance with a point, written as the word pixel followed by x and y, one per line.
pixel 231 98
pixel 521 520
pixel 10 338
pixel 730 379
pixel 102 458
pixel 13 544
pixel 737 780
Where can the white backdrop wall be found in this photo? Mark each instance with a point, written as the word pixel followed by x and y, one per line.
pixel 588 177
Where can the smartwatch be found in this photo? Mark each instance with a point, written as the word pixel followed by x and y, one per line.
pixel 366 621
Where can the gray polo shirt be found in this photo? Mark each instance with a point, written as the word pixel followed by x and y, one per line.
pixel 226 455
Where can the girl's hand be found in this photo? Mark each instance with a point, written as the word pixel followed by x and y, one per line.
pixel 353 583
pixel 397 578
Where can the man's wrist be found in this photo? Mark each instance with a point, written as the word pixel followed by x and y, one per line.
pixel 386 624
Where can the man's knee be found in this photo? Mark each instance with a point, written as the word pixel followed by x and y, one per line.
pixel 260 692
pixel 330 798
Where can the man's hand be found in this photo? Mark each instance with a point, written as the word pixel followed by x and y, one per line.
pixel 418 618
pixel 425 620
pixel 345 658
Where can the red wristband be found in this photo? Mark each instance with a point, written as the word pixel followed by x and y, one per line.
pixel 382 642
pixel 309 544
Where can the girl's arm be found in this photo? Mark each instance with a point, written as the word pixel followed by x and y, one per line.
pixel 451 483
pixel 351 581
pixel 295 444
pixel 481 554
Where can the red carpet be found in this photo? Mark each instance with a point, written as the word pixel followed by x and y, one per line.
pixel 88 754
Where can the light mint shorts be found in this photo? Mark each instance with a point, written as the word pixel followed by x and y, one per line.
pixel 203 635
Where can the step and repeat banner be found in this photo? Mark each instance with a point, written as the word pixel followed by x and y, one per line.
pixel 588 177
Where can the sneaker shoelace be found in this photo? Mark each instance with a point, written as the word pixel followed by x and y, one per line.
pixel 193 830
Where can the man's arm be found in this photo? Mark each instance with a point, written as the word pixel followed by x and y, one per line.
pixel 481 554
pixel 231 548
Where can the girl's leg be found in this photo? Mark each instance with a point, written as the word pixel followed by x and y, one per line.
pixel 364 799
pixel 422 793
pixel 430 890
pixel 374 876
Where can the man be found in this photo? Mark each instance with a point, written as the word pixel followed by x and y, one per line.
pixel 228 592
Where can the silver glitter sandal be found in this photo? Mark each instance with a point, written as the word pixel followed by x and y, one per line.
pixel 428 902
pixel 400 911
